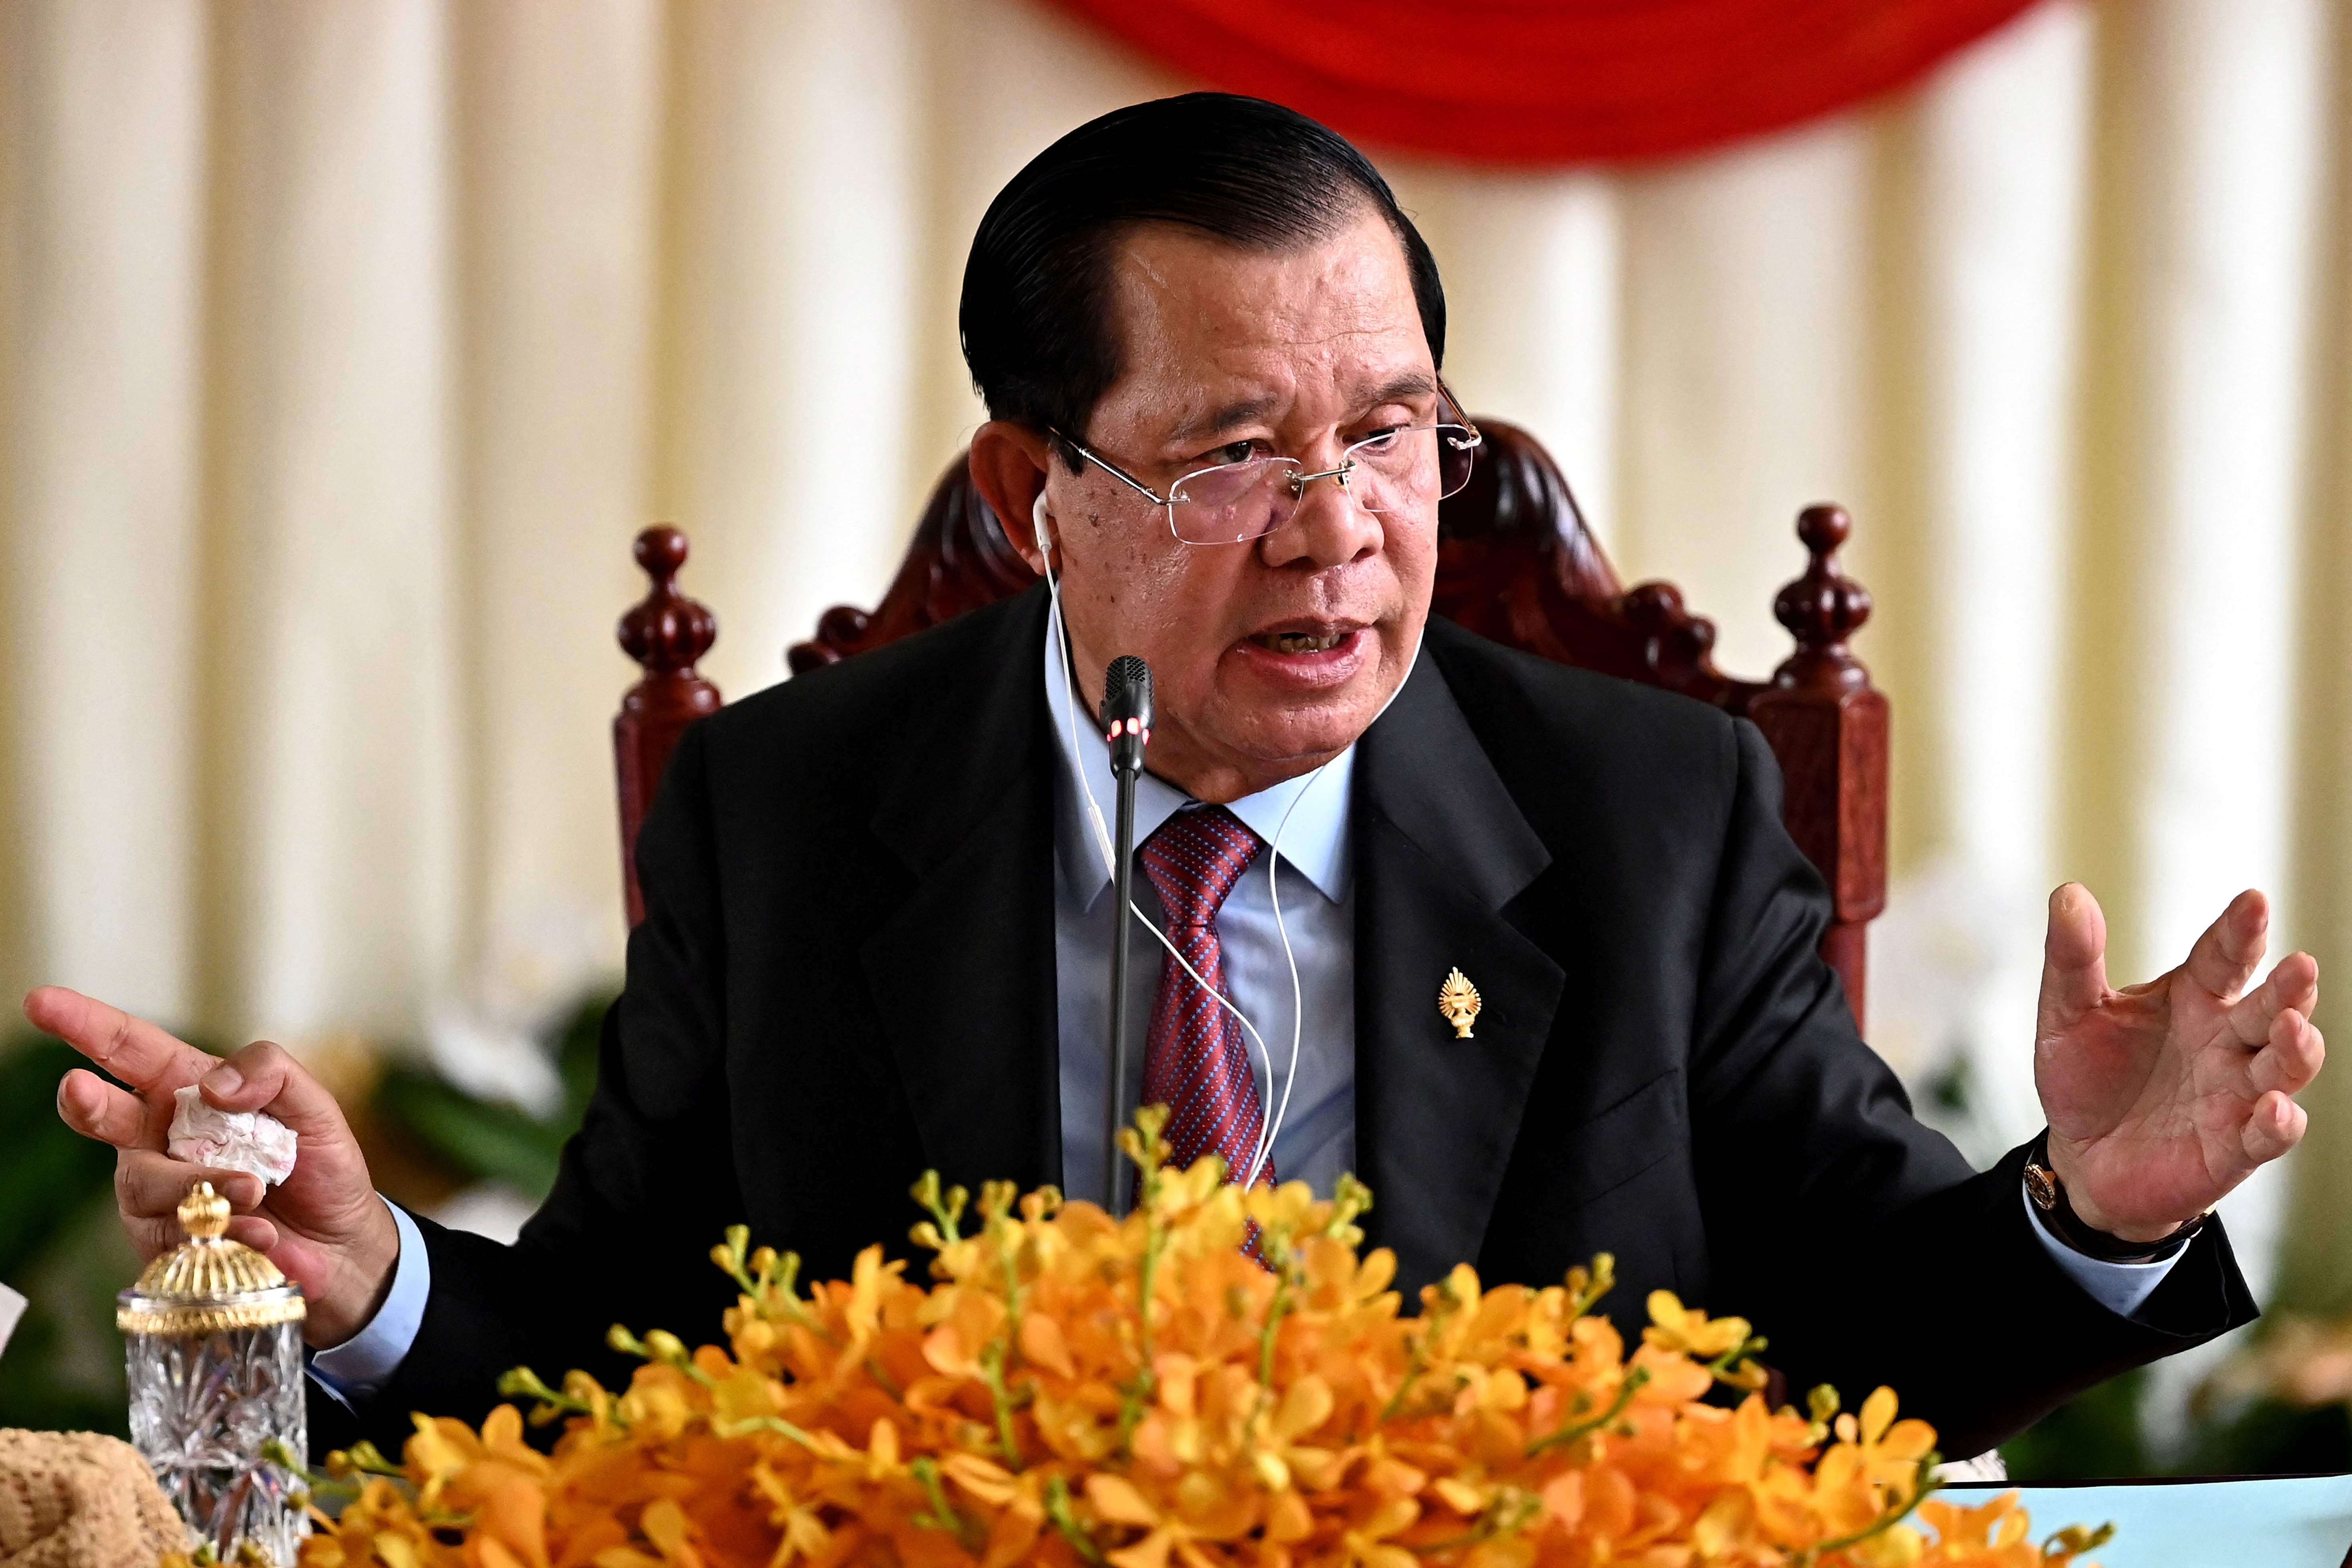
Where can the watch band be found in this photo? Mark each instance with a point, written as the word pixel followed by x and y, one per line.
pixel 2048 1194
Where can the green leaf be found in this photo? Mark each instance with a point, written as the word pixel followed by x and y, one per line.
pixel 484 1139
pixel 52 1169
pixel 578 1047
pixel 490 1139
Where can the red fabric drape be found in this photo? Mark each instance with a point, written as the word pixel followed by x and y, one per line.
pixel 1552 81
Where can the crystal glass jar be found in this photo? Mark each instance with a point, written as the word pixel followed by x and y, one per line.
pixel 214 1337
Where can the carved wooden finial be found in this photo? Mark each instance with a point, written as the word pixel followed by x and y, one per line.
pixel 1822 609
pixel 666 631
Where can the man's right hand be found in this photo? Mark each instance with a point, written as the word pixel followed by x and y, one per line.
pixel 325 1226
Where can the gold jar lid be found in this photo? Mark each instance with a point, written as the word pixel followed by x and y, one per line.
pixel 208 1282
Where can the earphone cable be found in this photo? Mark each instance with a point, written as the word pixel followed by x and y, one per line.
pixel 1272 1125
pixel 1104 847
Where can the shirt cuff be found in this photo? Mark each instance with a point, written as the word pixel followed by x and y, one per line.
pixel 363 1363
pixel 2120 1287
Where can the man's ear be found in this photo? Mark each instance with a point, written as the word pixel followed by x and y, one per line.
pixel 1009 466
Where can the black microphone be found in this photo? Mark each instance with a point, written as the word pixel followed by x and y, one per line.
pixel 1127 713
pixel 1127 726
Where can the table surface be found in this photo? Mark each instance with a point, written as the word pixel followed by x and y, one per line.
pixel 2270 1522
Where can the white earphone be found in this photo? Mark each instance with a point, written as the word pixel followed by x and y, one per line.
pixel 1042 521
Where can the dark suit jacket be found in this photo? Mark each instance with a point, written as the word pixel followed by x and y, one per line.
pixel 845 976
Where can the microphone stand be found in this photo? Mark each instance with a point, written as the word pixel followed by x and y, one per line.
pixel 1126 722
pixel 1122 887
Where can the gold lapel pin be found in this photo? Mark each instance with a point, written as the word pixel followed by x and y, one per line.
pixel 1458 1002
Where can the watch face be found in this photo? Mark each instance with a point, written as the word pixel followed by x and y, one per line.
pixel 2041 1185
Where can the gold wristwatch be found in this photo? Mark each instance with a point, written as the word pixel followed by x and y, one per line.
pixel 2048 1197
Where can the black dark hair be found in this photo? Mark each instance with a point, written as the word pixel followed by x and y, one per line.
pixel 1036 332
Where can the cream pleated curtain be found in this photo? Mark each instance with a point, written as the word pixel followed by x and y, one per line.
pixel 343 347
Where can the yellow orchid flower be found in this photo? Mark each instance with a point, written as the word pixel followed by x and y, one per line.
pixel 1069 1388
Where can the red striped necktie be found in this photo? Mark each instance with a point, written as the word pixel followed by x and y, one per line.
pixel 1197 1063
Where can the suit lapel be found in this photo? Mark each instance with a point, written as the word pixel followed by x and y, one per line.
pixel 961 973
pixel 1442 850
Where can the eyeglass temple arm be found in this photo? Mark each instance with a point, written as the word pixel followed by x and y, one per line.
pixel 1114 470
pixel 1447 400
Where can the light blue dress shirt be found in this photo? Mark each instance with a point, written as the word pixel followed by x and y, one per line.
pixel 1314 1139
pixel 365 1363
pixel 2120 1287
pixel 1312 1104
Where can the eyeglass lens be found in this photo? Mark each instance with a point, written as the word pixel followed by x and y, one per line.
pixel 1235 502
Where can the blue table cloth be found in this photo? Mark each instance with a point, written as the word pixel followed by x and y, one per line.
pixel 2286 1522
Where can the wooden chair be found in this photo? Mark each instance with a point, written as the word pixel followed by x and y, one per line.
pixel 1516 563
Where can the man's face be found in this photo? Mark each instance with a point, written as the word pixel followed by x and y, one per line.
pixel 1267 657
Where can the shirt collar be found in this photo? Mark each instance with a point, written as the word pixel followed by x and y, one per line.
pixel 1314 839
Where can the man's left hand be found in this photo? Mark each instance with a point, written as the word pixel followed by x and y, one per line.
pixel 2163 1097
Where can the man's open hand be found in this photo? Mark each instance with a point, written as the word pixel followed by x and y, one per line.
pixel 325 1227
pixel 2163 1097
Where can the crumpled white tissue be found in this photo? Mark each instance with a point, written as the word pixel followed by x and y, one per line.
pixel 253 1142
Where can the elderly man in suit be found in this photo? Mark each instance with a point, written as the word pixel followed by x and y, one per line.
pixel 878 909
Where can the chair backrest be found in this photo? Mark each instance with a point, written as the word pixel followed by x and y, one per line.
pixel 1516 563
